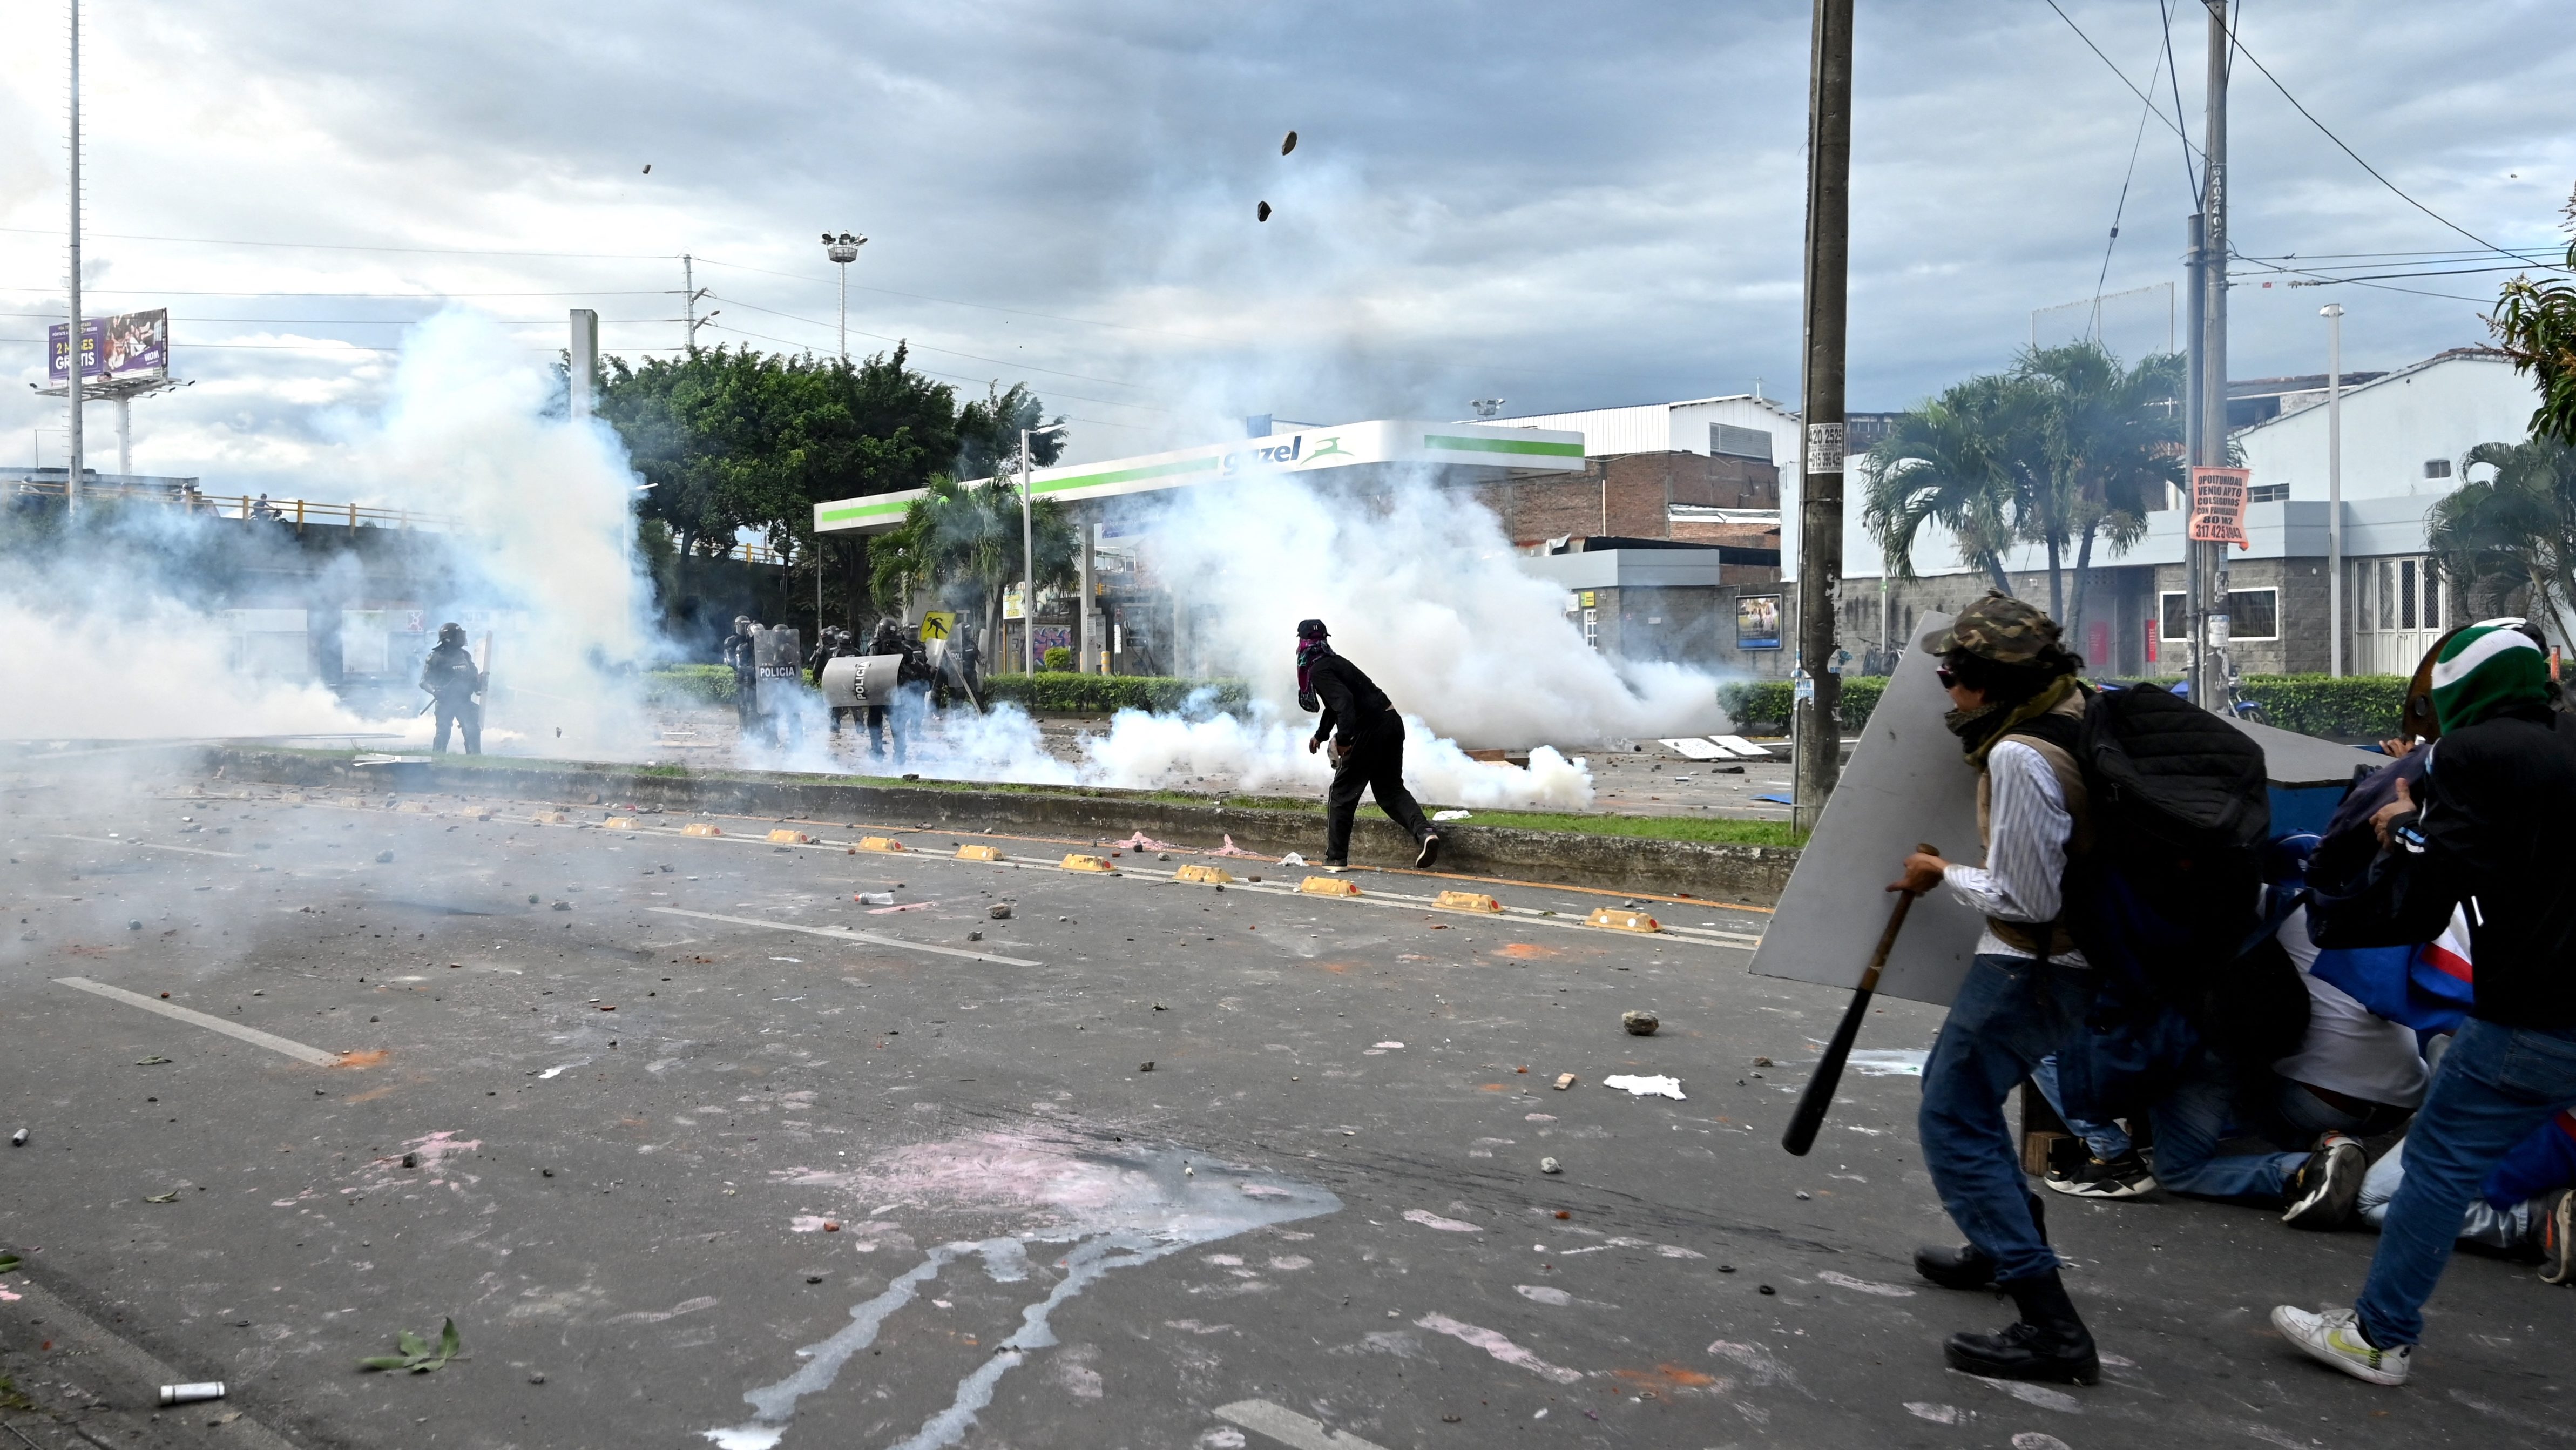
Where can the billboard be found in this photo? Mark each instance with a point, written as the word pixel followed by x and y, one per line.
pixel 1757 621
pixel 129 347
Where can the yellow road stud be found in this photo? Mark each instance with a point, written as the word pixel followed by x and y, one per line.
pixel 881 843
pixel 1080 862
pixel 1328 886
pixel 701 828
pixel 1466 901
pixel 413 808
pixel 979 853
pixel 549 818
pixel 1618 918
pixel 790 838
pixel 1204 875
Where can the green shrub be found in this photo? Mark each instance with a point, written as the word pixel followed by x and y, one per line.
pixel 1059 658
pixel 1764 704
pixel 2356 706
pixel 673 685
pixel 1076 694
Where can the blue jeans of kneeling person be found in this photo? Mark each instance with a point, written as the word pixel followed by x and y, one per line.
pixel 2494 1086
pixel 2010 1013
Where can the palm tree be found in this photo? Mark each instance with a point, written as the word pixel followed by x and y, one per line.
pixel 2536 323
pixel 2515 532
pixel 1948 463
pixel 961 542
pixel 2067 449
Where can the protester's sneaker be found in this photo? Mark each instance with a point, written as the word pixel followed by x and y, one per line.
pixel 2333 1336
pixel 1430 853
pixel 2558 1239
pixel 2123 1177
pixel 2327 1186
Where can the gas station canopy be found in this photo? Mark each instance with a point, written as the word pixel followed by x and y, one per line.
pixel 1488 452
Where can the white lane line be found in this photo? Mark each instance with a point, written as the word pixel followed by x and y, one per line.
pixel 141 1370
pixel 845 934
pixel 251 1035
pixel 1290 1428
pixel 146 845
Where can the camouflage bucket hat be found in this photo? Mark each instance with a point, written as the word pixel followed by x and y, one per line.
pixel 1999 628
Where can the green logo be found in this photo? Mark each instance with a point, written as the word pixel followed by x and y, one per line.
pixel 1331 446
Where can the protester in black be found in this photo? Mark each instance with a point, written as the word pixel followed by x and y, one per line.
pixel 1368 747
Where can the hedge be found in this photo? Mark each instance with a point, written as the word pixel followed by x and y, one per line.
pixel 1062 693
pixel 2355 707
pixel 1751 703
pixel 689 685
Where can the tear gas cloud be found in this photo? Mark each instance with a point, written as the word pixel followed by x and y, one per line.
pixel 1418 583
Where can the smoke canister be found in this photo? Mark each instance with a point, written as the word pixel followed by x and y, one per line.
pixel 191 1394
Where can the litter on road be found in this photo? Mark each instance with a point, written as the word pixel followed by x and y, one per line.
pixel 1664 1087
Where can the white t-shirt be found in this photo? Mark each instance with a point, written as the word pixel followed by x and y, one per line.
pixel 2348 1050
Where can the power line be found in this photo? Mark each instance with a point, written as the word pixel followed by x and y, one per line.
pixel 950 351
pixel 360 247
pixel 379 296
pixel 929 372
pixel 2321 278
pixel 2136 144
pixel 2170 124
pixel 2348 151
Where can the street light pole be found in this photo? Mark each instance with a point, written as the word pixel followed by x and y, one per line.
pixel 72 480
pixel 2332 312
pixel 844 249
pixel 1029 553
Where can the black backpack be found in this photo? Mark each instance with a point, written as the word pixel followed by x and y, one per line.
pixel 2167 901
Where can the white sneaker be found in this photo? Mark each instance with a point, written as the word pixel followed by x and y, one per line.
pixel 2333 1336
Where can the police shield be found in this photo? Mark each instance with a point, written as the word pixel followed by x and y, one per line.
pixel 861 680
pixel 777 658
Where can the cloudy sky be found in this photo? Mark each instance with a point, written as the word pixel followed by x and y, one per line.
pixel 1563 206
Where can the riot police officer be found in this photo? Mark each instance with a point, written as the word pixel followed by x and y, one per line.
pixel 453 680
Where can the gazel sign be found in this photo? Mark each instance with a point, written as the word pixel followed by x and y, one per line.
pixel 1488 451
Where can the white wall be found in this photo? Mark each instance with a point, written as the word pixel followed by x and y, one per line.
pixel 2392 425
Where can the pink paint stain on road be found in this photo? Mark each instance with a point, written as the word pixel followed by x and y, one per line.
pixel 1499 1347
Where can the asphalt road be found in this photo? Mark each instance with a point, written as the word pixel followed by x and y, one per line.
pixel 712 1153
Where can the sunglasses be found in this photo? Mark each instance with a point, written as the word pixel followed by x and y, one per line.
pixel 1946 678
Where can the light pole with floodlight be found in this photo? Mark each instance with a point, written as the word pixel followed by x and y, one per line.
pixel 844 249
pixel 1029 554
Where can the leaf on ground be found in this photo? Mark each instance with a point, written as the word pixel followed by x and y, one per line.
pixel 385 1361
pixel 412 1344
pixel 153 1061
pixel 9 1261
pixel 417 1355
pixel 449 1342
pixel 170 1197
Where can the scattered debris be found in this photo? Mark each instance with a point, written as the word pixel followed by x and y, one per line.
pixel 1142 842
pixel 1261 213
pixel 1229 849
pixel 537 1377
pixel 134 925
pixel 873 898
pixel 1291 859
pixel 999 911
pixel 1550 1165
pixel 170 1197
pixel 1804 1196
pixel 1668 1087
pixel 411 1160
pixel 1565 1080
pixel 563 906
pixel 1565 1213
pixel 417 1354
pixel 1288 145
pixel 1452 815
pixel 1767 1289
pixel 1761 1062
pixel 192 1394
pixel 1144 1067
pixel 1640 1024
pixel 156 1059
pixel 974 936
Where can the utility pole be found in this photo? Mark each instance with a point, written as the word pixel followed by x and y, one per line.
pixel 583 360
pixel 1815 715
pixel 2207 571
pixel 72 480
pixel 2333 314
pixel 690 293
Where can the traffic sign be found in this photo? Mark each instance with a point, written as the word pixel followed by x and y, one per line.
pixel 938 624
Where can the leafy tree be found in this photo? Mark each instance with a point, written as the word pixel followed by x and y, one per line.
pixel 2536 323
pixel 988 433
pixel 2066 449
pixel 2511 538
pixel 961 543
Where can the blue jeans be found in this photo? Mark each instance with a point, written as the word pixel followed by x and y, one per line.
pixel 2010 1013
pixel 2105 1141
pixel 2198 1114
pixel 2494 1086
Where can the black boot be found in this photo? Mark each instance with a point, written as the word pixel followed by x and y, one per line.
pixel 1967 1267
pixel 2048 1343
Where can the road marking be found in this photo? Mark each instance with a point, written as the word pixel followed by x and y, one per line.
pixel 1290 1428
pixel 146 845
pixel 845 934
pixel 251 1035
